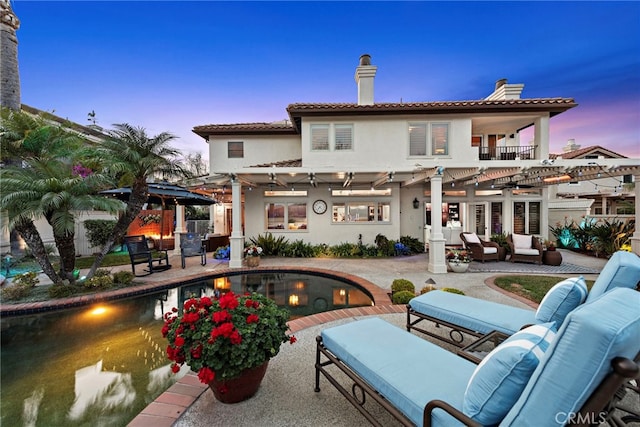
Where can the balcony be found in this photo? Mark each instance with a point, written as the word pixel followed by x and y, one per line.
pixel 523 152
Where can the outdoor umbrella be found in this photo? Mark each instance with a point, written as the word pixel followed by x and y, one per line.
pixel 164 194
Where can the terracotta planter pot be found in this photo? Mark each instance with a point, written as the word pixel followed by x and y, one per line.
pixel 253 261
pixel 241 388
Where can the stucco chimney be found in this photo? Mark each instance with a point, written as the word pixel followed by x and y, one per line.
pixel 504 90
pixel 571 146
pixel 365 74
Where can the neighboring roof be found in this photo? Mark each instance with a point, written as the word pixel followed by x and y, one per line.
pixel 582 152
pixel 66 122
pixel 296 111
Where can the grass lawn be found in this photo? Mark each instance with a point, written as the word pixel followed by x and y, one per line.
pixel 531 287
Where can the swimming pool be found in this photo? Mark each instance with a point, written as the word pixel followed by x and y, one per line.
pixel 102 364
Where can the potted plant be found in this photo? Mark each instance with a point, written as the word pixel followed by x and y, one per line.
pixel 458 260
pixel 252 254
pixel 228 341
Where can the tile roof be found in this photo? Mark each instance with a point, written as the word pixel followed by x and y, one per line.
pixel 284 127
pixel 579 153
pixel 298 110
pixel 448 106
pixel 294 163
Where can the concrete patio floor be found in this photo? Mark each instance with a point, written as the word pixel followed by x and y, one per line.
pixel 286 396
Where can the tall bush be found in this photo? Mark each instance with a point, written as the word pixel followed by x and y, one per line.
pixel 99 231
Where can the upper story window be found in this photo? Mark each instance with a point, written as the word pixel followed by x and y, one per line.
pixel 235 149
pixel 344 137
pixel 320 137
pixel 325 137
pixel 432 138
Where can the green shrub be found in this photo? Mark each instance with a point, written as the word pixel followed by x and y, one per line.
pixel 123 277
pixel 99 231
pixel 501 239
pixel 416 246
pixel 400 285
pixel 453 291
pixel 343 250
pixel 427 288
pixel 300 249
pixel 270 245
pixel 61 291
pixel 29 279
pixel 102 279
pixel 16 292
pixel 402 297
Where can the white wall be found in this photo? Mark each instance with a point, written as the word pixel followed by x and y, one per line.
pixel 320 228
pixel 382 143
pixel 257 150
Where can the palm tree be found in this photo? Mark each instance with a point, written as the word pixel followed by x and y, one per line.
pixel 45 184
pixel 132 157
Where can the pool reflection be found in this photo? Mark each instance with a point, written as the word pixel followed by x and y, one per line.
pixel 102 365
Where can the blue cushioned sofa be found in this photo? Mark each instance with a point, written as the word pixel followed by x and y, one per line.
pixel 576 373
pixel 463 315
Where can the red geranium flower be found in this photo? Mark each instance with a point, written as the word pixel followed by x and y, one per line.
pixel 206 375
pixel 292 339
pixel 253 318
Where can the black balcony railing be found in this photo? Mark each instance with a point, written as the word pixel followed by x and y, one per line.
pixel 524 152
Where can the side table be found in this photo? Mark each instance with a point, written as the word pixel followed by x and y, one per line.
pixel 551 258
pixel 479 349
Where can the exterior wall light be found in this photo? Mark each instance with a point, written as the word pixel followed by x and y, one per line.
pixel 416 203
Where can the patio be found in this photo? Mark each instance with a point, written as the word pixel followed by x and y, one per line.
pixel 286 396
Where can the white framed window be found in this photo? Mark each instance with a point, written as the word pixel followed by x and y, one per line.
pixel 361 212
pixel 343 137
pixel 440 139
pixel 320 137
pixel 527 217
pixel 235 149
pixel 417 139
pixel 286 216
pixel 431 138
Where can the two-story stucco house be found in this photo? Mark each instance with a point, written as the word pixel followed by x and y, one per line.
pixel 335 172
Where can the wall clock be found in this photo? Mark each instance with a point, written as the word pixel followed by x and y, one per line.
pixel 319 207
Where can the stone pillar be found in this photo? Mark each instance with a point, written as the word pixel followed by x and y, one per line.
pixel 437 262
pixel 237 239
pixel 635 239
pixel 9 74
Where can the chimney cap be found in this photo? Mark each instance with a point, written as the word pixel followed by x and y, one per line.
pixel 365 59
pixel 500 83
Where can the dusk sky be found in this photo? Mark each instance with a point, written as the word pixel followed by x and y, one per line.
pixel 170 66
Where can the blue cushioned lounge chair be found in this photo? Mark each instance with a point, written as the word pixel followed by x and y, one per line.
pixel 467 316
pixel 538 377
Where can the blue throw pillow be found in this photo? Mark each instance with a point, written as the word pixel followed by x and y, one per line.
pixel 499 379
pixel 562 299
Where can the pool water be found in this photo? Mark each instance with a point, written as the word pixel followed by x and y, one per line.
pixel 102 365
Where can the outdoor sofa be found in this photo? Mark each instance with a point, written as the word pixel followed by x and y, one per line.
pixel 463 315
pixel 537 377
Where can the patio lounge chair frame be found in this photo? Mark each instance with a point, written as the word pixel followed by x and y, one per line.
pixel 600 403
pixel 477 249
pixel 192 245
pixel 140 253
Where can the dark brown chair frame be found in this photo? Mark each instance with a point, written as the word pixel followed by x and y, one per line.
pixel 140 253
pixel 535 244
pixel 477 249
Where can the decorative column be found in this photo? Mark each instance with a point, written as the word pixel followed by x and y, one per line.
pixel 180 228
pixel 237 239
pixel 437 262
pixel 635 239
